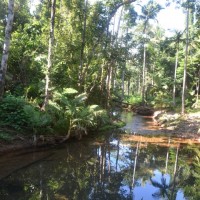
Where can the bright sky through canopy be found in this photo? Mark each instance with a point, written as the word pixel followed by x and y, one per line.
pixel 169 18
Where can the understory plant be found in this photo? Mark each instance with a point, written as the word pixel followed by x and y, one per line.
pixel 67 113
pixel 12 114
pixel 79 117
pixel 20 115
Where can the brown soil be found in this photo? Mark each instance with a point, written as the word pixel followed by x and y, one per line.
pixel 187 126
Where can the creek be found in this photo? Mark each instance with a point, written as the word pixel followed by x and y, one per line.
pixel 113 166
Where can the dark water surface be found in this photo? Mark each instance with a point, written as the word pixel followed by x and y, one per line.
pixel 111 167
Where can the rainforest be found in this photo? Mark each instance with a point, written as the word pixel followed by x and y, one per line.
pixel 104 85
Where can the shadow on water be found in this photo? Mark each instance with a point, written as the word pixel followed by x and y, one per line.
pixel 111 167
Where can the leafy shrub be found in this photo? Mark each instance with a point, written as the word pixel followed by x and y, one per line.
pixel 37 121
pixel 135 99
pixel 67 114
pixel 17 113
pixel 162 100
pixel 12 113
pixel 79 117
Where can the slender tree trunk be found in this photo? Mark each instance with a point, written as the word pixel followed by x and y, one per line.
pixel 175 69
pixel 143 75
pixel 82 73
pixel 123 77
pixel 119 22
pixel 152 81
pixel 128 87
pixel 102 76
pixel 109 81
pixel 175 174
pixel 6 46
pixel 185 63
pixel 109 164
pixel 139 83
pixel 167 157
pixel 50 54
pixel 124 66
pixel 197 88
pixel 176 161
pixel 135 163
pixel 117 158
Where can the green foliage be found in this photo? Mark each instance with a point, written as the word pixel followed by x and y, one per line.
pixel 162 100
pixel 67 113
pixel 38 121
pixel 193 192
pixel 78 116
pixel 12 113
pixel 134 99
pixel 18 114
pixel 5 136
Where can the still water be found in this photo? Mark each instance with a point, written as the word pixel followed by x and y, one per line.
pixel 111 166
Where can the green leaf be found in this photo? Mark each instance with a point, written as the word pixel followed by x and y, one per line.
pixel 69 91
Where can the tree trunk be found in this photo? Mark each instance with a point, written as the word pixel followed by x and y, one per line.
pixel 185 63
pixel 123 77
pixel 50 53
pixel 197 89
pixel 118 25
pixel 6 46
pixel 167 157
pixel 82 73
pixel 175 69
pixel 124 66
pixel 143 75
pixel 135 163
pixel 128 87
pixel 108 83
pixel 117 158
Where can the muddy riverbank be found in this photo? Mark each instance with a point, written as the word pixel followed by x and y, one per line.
pixel 162 123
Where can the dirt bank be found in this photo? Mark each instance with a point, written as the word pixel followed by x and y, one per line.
pixel 187 126
pixel 20 142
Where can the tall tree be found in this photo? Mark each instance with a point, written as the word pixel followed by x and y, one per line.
pixel 6 45
pixel 50 53
pixel 178 37
pixel 185 61
pixel 82 73
pixel 149 12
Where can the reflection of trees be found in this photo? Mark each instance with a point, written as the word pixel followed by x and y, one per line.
pixel 192 191
pixel 163 187
pixel 102 171
pixel 135 163
pixel 167 190
pixel 170 189
pixel 180 173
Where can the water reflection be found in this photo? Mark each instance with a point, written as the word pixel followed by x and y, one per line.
pixel 128 166
pixel 138 124
pixel 110 169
